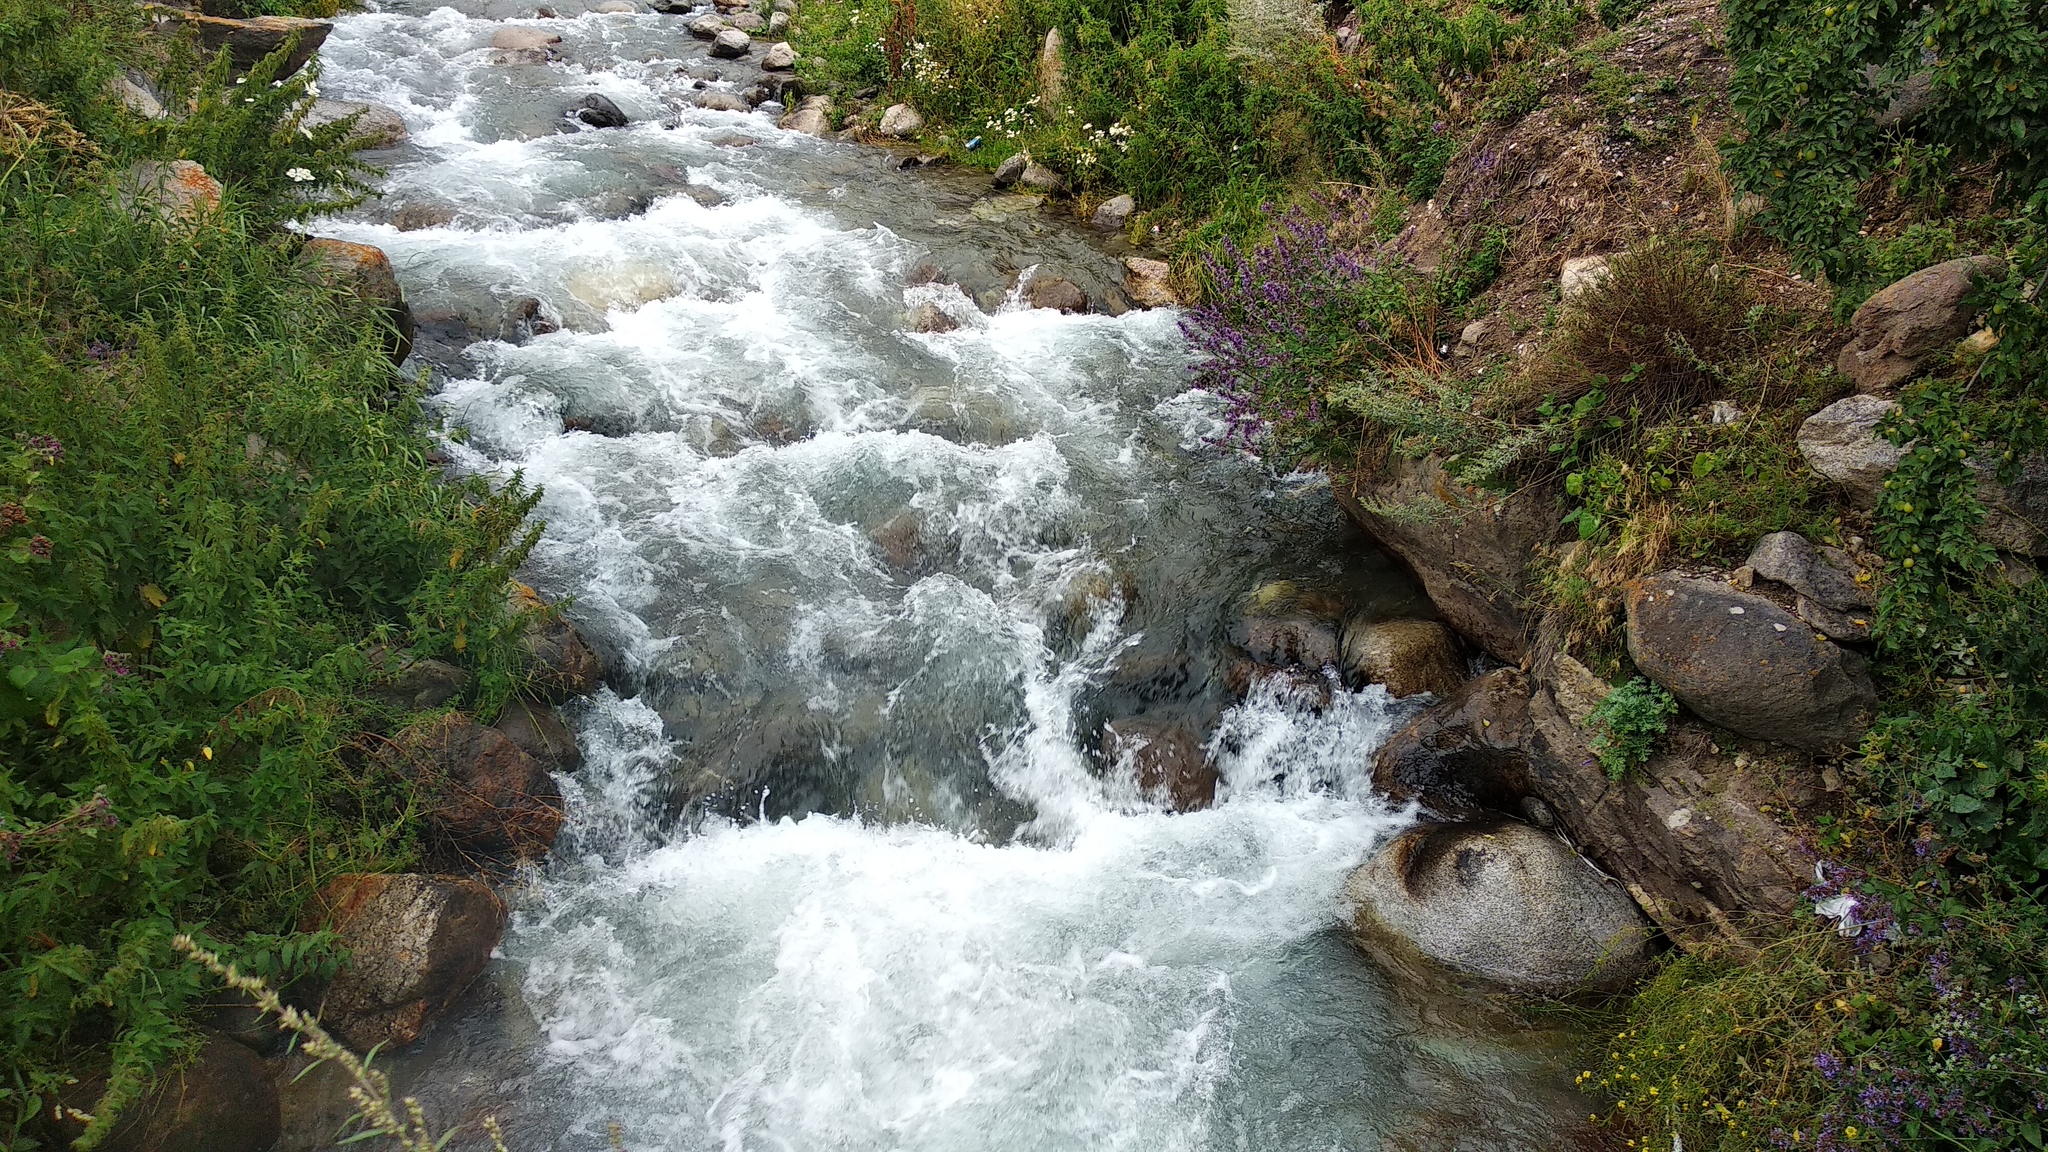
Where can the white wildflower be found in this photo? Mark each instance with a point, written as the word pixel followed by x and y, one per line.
pixel 299 174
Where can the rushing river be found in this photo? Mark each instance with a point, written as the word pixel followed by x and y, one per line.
pixel 844 870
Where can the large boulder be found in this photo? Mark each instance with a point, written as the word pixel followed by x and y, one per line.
pixel 415 943
pixel 2016 514
pixel 364 272
pixel 560 663
pixel 539 732
pixel 1689 833
pixel 1165 758
pixel 1502 902
pixel 1739 660
pixel 248 41
pixel 1897 331
pixel 376 125
pixel 1470 548
pixel 707 26
pixel 486 800
pixel 1842 443
pixel 780 58
pixel 178 191
pixel 1408 656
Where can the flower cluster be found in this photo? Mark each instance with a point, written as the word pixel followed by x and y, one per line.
pixel 48 447
pixel 1655 1107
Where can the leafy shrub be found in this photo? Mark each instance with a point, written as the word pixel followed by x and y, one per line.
pixel 214 502
pixel 1628 723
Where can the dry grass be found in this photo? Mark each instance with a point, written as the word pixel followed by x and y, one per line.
pixel 26 125
pixel 1652 337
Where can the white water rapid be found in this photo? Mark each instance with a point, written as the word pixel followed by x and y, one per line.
pixel 843 870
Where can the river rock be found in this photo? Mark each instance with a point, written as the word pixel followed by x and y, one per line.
pixel 1282 638
pixel 614 8
pixel 1149 283
pixel 929 317
pixel 778 23
pixel 364 272
pixel 1470 548
pixel 731 44
pixel 900 121
pixel 415 943
pixel 418 214
pixel 780 58
pixel 716 101
pixel 524 317
pixel 1500 901
pixel 560 663
pixel 1243 676
pixel 178 191
pixel 1112 214
pixel 597 111
pixel 538 731
pixel 1740 661
pixel 1841 442
pixel 1038 178
pixel 222 1100
pixel 249 41
pixel 412 685
pixel 2016 514
pixel 376 126
pixel 747 22
pixel 486 799
pixel 813 117
pixel 524 40
pixel 706 27
pixel 1055 292
pixel 1897 331
pixel 1165 758
pixel 1408 656
pixel 1010 170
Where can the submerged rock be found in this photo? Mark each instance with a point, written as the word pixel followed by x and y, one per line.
pixel 415 943
pixel 1165 758
pixel 1408 656
pixel 597 111
pixel 1056 292
pixel 1502 902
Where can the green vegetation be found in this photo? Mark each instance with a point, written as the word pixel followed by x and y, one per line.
pixel 1203 110
pixel 214 503
pixel 1628 723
